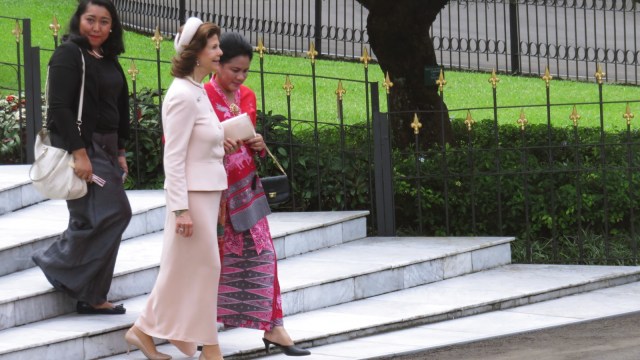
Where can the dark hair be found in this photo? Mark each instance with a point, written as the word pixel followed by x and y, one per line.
pixel 183 63
pixel 114 45
pixel 232 45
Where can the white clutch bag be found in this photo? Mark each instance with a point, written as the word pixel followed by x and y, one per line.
pixel 239 128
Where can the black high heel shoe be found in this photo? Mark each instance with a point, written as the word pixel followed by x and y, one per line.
pixel 290 350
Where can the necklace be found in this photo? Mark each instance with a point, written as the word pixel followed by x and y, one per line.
pixel 95 54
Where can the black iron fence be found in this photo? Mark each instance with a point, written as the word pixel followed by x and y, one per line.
pixel 568 193
pixel 517 36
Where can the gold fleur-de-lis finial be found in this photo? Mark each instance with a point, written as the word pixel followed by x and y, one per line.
pixel 494 80
pixel 628 115
pixel 133 70
pixel 157 38
pixel 547 76
pixel 600 75
pixel 54 26
pixel 441 81
pixel 387 84
pixel 17 31
pixel 416 124
pixel 365 58
pixel 340 91
pixel 312 53
pixel 522 120
pixel 260 48
pixel 574 117
pixel 469 121
pixel 288 86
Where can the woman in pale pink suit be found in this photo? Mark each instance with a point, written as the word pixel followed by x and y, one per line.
pixel 182 305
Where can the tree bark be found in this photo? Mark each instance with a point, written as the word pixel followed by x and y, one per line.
pixel 399 37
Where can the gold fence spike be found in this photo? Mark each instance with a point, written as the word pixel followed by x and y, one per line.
pixel 574 116
pixel 469 121
pixel 312 53
pixel 600 75
pixel 522 120
pixel 17 31
pixel 260 48
pixel 54 26
pixel 547 76
pixel 387 84
pixel 416 124
pixel 365 58
pixel 157 38
pixel 441 81
pixel 133 70
pixel 340 91
pixel 288 86
pixel 494 80
pixel 628 115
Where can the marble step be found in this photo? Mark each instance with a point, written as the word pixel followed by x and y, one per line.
pixel 27 296
pixel 34 227
pixel 16 191
pixel 91 337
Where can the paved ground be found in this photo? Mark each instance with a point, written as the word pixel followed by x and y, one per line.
pixel 615 338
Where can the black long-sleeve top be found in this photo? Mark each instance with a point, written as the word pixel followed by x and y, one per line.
pixel 65 79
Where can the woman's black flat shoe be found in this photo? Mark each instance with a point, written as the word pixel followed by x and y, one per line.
pixel 85 308
pixel 290 350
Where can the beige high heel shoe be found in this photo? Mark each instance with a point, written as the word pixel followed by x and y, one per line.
pixel 132 338
pixel 187 348
pixel 217 356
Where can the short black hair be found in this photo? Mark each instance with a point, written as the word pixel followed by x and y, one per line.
pixel 232 45
pixel 114 45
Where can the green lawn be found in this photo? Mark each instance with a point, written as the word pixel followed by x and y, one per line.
pixel 464 90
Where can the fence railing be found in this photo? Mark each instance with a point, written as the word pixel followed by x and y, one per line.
pixel 567 192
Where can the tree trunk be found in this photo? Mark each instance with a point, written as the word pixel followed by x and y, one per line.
pixel 399 37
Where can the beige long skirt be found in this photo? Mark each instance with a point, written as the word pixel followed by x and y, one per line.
pixel 183 302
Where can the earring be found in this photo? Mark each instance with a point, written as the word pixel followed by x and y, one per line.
pixel 110 31
pixel 197 62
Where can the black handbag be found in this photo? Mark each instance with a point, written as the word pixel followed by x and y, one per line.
pixel 276 188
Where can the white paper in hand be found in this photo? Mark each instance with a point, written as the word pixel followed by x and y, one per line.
pixel 238 128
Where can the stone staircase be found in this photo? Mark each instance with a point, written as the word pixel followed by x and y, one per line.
pixel 343 292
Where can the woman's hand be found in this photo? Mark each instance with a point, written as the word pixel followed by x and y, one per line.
pixel 231 146
pixel 82 165
pixel 256 144
pixel 184 225
pixel 122 161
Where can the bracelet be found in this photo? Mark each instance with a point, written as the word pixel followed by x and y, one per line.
pixel 179 212
pixel 122 153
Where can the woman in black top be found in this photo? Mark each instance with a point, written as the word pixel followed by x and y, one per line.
pixel 81 261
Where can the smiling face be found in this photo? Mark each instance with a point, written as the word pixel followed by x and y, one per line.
pixel 95 25
pixel 209 57
pixel 233 73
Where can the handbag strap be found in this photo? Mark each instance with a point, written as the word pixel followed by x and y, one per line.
pixel 80 103
pixel 275 161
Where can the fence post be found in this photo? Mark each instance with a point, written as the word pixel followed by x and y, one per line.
pixel 34 100
pixel 182 12
pixel 318 26
pixel 514 36
pixel 385 208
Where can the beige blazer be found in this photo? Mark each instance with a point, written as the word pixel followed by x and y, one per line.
pixel 193 143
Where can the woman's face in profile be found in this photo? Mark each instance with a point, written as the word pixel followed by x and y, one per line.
pixel 209 57
pixel 95 25
pixel 233 73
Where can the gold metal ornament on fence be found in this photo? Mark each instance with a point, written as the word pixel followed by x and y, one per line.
pixel 547 76
pixel 574 117
pixel 54 26
pixel 133 70
pixel 288 86
pixel 416 124
pixel 260 48
pixel 340 91
pixel 600 75
pixel 365 58
pixel 494 80
pixel 441 81
pixel 312 53
pixel 387 84
pixel 522 120
pixel 469 121
pixel 157 38
pixel 17 31
pixel 628 115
